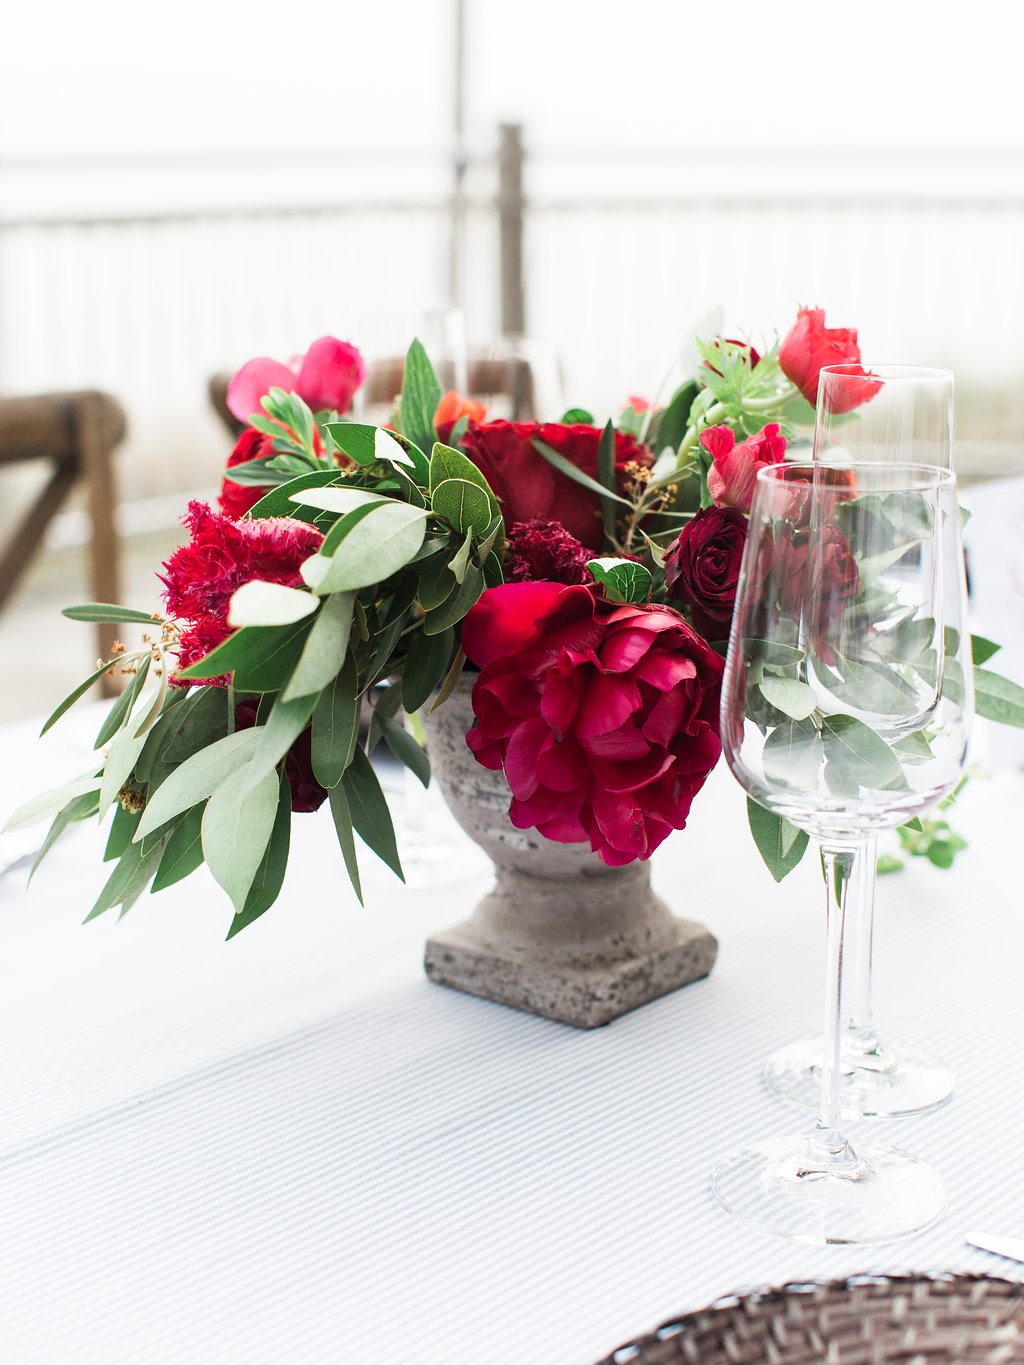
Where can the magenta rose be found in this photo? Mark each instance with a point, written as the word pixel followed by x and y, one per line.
pixel 326 377
pixel 809 345
pixel 528 487
pixel 735 467
pixel 702 568
pixel 603 716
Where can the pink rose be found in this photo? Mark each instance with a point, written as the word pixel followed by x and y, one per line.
pixel 735 467
pixel 603 716
pixel 327 376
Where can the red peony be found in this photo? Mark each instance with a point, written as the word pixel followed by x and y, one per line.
pixel 222 555
pixel 326 377
pixel 528 487
pixel 603 716
pixel 307 793
pixel 809 345
pixel 702 568
pixel 542 551
pixel 734 468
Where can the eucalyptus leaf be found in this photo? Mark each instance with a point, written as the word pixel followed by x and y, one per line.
pixel 198 777
pixel 122 707
pixel 448 463
pixel 982 649
pixel 269 878
pixel 335 727
pixel 997 698
pixel 425 665
pixel 780 844
pixel 465 505
pixel 371 817
pixel 621 579
pixel 795 699
pixel 183 852
pixel 49 803
pixel 79 691
pixel 284 724
pixel 128 880
pixel 860 755
pixel 459 561
pixel 346 838
pixel 257 603
pixel 792 755
pixel 387 449
pixel 324 651
pixel 236 829
pixel 106 612
pixel 455 608
pixel 406 750
pixel 606 478
pixel 381 544
pixel 281 502
pixel 119 766
pixel 78 808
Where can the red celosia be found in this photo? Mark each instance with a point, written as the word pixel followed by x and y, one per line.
pixel 223 554
pixel 543 551
pixel 604 716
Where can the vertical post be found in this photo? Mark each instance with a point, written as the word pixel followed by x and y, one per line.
pixel 99 425
pixel 457 222
pixel 510 222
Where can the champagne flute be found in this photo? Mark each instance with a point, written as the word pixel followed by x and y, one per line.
pixel 846 708
pixel 904 413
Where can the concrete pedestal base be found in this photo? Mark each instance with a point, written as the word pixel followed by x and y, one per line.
pixel 584 995
pixel 561 934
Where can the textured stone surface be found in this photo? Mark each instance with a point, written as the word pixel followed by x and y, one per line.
pixel 561 934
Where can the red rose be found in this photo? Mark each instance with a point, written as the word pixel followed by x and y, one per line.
pixel 307 793
pixel 222 555
pixel 603 716
pixel 543 551
pixel 528 487
pixel 734 467
pixel 702 568
pixel 327 376
pixel 237 498
pixel 809 345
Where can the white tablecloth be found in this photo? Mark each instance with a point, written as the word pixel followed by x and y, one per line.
pixel 293 1148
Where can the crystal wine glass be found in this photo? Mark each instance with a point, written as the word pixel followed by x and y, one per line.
pixel 846 706
pixel 905 414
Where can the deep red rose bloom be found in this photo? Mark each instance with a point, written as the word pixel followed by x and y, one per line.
pixel 603 716
pixel 307 793
pixel 735 467
pixel 809 345
pixel 542 551
pixel 702 568
pixel 528 487
pixel 223 554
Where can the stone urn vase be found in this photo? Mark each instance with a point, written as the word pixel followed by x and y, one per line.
pixel 561 934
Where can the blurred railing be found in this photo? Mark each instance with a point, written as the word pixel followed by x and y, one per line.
pixel 144 278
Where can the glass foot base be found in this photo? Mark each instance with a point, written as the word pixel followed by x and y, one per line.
pixel 887 1194
pixel 892 1082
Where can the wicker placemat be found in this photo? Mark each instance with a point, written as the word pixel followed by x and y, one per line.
pixel 863 1321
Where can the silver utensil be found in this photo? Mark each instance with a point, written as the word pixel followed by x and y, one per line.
pixel 1013 1247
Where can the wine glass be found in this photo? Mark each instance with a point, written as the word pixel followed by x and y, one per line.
pixel 846 707
pixel 902 413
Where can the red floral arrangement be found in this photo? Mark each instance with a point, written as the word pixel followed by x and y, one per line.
pixel 588 572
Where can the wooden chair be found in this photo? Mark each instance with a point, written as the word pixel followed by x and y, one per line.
pixel 77 433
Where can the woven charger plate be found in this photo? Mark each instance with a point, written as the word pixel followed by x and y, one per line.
pixel 873 1320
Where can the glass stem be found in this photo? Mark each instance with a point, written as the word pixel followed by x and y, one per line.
pixel 829 1152
pixel 860 1039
